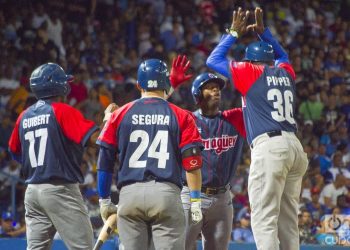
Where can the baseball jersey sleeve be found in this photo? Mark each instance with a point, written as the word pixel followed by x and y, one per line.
pixel 108 135
pixel 235 117
pixel 189 135
pixel 15 142
pixel 217 60
pixel 244 75
pixel 73 124
pixel 289 68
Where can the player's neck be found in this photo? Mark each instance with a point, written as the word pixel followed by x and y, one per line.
pixel 156 93
pixel 207 112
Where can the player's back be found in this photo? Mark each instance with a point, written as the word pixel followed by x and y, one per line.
pixel 47 154
pixel 270 102
pixel 148 139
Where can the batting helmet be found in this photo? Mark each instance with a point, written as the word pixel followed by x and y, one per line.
pixel 259 52
pixel 49 80
pixel 153 74
pixel 202 79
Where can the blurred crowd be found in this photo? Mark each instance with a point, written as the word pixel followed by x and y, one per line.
pixel 102 42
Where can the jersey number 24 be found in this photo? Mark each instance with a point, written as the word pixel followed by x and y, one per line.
pixel 160 140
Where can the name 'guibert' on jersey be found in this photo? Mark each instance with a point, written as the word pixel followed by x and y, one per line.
pixel 138 119
pixel 35 121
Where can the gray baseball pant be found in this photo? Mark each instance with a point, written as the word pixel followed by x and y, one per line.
pixel 151 211
pixel 216 226
pixel 51 207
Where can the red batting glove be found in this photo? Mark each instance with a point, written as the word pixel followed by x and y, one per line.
pixel 178 71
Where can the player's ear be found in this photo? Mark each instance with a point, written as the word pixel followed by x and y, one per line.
pixel 139 87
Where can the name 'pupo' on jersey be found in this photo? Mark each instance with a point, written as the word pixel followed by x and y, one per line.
pixel 155 119
pixel 35 121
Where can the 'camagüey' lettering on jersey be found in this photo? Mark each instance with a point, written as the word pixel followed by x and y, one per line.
pixel 223 138
pixel 220 144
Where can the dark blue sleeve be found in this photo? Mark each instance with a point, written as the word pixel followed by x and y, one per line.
pixel 16 157
pixel 106 159
pixel 280 55
pixel 104 182
pixel 217 60
pixel 105 166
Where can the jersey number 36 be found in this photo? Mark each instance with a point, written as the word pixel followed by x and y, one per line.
pixel 283 105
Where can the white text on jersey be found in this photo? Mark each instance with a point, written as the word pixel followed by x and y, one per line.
pixel 220 144
pixel 150 119
pixel 35 121
pixel 277 81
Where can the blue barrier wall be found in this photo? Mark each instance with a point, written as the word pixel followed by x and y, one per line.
pixel 20 244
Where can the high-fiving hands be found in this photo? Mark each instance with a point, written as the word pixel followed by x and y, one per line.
pixel 239 21
pixel 258 26
pixel 240 18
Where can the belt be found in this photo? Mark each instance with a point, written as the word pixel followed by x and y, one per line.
pixel 270 134
pixel 213 190
pixel 274 133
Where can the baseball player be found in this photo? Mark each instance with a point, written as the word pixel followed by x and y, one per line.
pixel 223 135
pixel 48 140
pixel 153 140
pixel 268 100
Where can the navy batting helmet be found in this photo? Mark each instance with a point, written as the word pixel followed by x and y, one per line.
pixel 259 52
pixel 153 74
pixel 49 80
pixel 202 79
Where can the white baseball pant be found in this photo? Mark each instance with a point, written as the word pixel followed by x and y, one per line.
pixel 274 184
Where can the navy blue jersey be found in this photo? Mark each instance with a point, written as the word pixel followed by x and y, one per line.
pixel 223 137
pixel 150 134
pixel 50 138
pixel 268 97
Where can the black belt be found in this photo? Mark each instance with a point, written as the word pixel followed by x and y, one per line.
pixel 213 190
pixel 274 133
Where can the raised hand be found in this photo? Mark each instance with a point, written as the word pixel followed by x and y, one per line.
pixel 239 21
pixel 109 110
pixel 178 71
pixel 258 26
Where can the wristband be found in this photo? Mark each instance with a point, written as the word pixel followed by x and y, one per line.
pixel 104 200
pixel 232 32
pixel 195 195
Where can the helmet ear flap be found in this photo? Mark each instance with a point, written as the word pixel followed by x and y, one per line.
pixel 199 95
